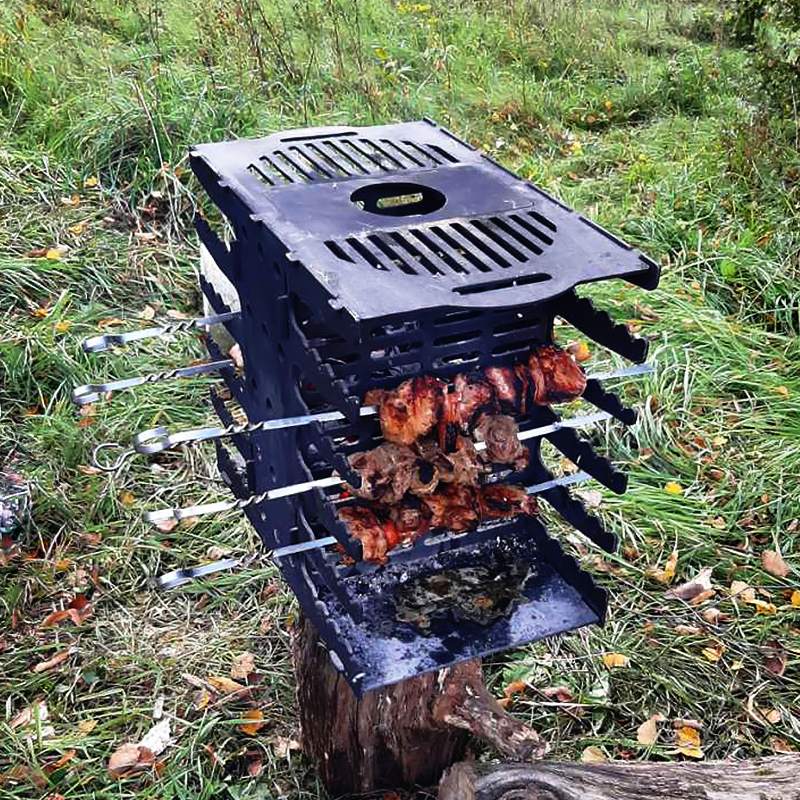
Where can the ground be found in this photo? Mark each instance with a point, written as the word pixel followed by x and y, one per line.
pixel 643 116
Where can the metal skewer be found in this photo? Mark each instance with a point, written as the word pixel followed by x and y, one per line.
pixel 97 344
pixel 92 392
pixel 178 514
pixel 178 577
pixel 156 440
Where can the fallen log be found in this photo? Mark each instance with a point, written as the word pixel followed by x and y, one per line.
pixel 774 778
pixel 400 737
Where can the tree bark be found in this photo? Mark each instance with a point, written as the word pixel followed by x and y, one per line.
pixel 776 778
pixel 403 736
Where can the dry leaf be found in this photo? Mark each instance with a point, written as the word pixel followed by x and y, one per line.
pixel 714 654
pixel 243 665
pixel 693 587
pixel 580 351
pixel 131 757
pixel 54 661
pixel 775 658
pixel 235 354
pixel 148 312
pixel 687 740
pixel 673 487
pixel 255 722
pixel 255 766
pixel 712 615
pixel 687 630
pixel 62 326
pixel 225 685
pixel 74 200
pixel 795 601
pixel 615 660
pixel 774 564
pixel 167 525
pixel 647 732
pixel 593 755
pixel 282 746
pixel 560 693
pixel 90 182
pixel 35 713
pixel 57 252
pixel 742 591
pixel 61 761
pixel 77 229
pixel 781 745
pixel 668 573
pixel 127 498
pixel 86 726
pixel 763 607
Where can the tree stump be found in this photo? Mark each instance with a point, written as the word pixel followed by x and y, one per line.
pixel 400 737
pixel 776 778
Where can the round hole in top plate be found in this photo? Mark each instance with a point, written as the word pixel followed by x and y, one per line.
pixel 395 199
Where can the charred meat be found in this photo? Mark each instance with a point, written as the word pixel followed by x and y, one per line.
pixel 409 411
pixel 460 406
pixel 500 500
pixel 364 526
pixel 555 375
pixel 386 472
pixel 501 434
pixel 506 386
pixel 453 507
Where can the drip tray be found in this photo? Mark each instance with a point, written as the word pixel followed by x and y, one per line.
pixel 425 615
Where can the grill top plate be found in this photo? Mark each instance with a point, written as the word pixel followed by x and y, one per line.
pixel 398 219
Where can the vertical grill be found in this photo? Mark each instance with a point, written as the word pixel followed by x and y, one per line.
pixel 363 257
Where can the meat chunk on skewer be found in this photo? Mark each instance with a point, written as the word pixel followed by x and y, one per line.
pixel 363 525
pixel 386 471
pixel 500 500
pixel 453 507
pixel 555 375
pixel 506 386
pixel 460 406
pixel 409 411
pixel 501 434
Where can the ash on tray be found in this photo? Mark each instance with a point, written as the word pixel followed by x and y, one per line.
pixel 480 594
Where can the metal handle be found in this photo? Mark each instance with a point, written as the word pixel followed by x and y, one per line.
pixel 97 344
pixel 158 439
pixel 92 392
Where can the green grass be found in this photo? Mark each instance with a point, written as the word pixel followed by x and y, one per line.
pixel 639 114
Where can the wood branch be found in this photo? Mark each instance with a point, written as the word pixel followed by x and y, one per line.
pixel 403 736
pixel 776 778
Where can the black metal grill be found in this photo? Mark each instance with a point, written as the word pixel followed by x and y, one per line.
pixel 362 257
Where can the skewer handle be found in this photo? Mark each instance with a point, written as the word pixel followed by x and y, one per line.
pixel 97 344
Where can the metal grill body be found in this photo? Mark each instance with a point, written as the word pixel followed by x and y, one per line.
pixel 365 256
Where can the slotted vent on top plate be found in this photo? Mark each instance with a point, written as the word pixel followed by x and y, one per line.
pixel 462 246
pixel 344 156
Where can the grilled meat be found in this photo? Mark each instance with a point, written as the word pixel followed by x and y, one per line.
pixel 411 519
pixel 386 471
pixel 500 432
pixel 453 507
pixel 463 466
pixel 555 375
pixel 500 500
pixel 470 395
pixel 363 525
pixel 506 386
pixel 409 411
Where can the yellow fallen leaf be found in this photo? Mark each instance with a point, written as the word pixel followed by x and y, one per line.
pixel 126 498
pixel 87 725
pixel 783 391
pixel 225 685
pixel 41 312
pixel 57 252
pixel 796 598
pixel 90 182
pixel 593 755
pixel 580 351
pixel 687 740
pixel 668 573
pixel 673 487
pixel 77 229
pixel 62 326
pixel 73 200
pixel 773 563
pixel 615 660
pixel 255 722
pixel 763 607
pixel 714 654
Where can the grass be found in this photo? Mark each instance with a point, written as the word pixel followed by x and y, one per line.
pixel 639 114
